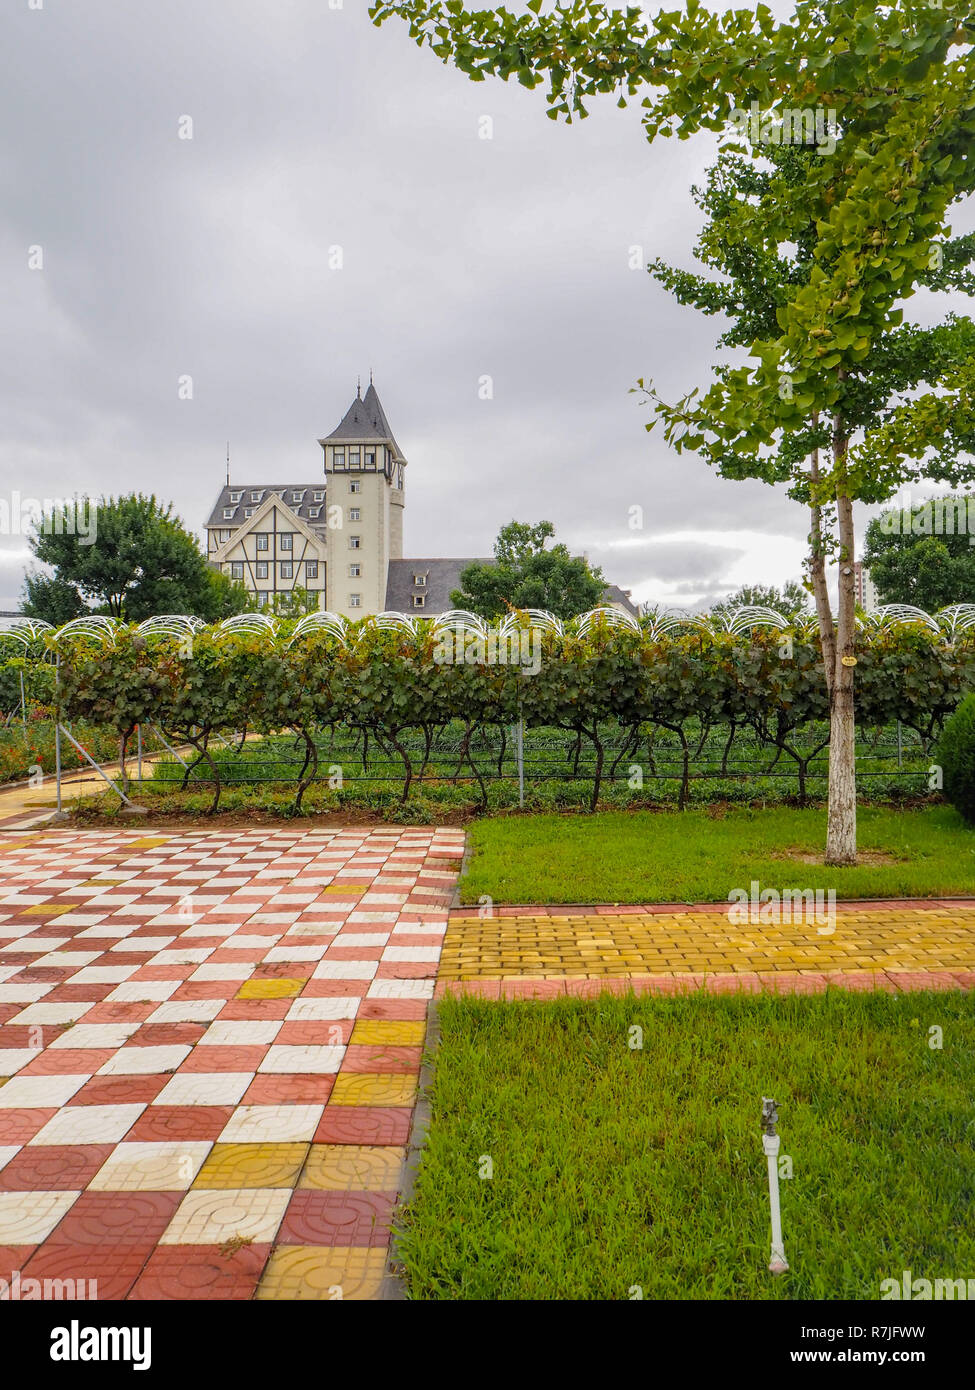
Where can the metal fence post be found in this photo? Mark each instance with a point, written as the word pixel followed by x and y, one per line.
pixel 521 760
pixel 138 745
pixel 900 751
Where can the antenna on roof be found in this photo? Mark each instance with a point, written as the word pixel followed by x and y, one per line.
pixel 228 462
pixel 358 387
pixel 370 376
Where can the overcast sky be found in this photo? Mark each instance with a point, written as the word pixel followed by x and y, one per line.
pixel 462 258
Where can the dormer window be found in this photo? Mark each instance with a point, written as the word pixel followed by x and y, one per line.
pixel 318 496
pixel 248 512
pixel 297 497
pixel 228 513
pixel 419 600
pixel 256 496
pixel 235 496
pixel 420 580
pixel 314 511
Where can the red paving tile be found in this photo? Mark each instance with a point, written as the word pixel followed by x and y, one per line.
pixel 117 1219
pixel 112 1267
pixel 364 1124
pixel 289 1088
pixel 53 1167
pixel 19 1125
pixel 337 1218
pixel 175 1123
pixel 201 1272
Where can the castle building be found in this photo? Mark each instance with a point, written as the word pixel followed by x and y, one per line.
pixel 340 537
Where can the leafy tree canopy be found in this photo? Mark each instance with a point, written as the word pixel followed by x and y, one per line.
pixel 134 561
pixel 527 575
pixel 924 554
pixel 792 600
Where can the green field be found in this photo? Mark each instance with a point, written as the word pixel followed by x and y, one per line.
pixel 617 1169
pixel 698 856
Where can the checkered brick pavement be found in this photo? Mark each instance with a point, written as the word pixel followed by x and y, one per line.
pixel 210 1044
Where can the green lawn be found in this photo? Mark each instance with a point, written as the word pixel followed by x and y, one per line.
pixel 615 1168
pixel 646 856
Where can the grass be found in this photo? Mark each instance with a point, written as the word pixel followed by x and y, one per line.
pixel 698 856
pixel 616 1168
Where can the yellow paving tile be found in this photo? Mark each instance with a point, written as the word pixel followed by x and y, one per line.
pixel 323 1272
pixel 149 842
pixel 392 1032
pixel 252 1165
pixel 353 1168
pixel 48 909
pixel 270 989
pixel 373 1088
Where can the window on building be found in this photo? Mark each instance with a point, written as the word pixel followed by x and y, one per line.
pixel 297 496
pixel 314 511
pixel 338 459
pixel 228 513
pixel 236 496
pixel 287 569
pixel 353 513
pixel 224 536
pixel 419 600
pixel 371 459
pixel 399 476
pixel 420 580
pixel 262 569
pixel 355 571
pixel 256 496
pixel 353 458
pixel 262 540
pixel 248 512
pixel 318 496
pixel 285 539
pixel 355 542
pixel 311 569
pixel 355 485
pixel 237 569
pixel 355 600
pixel 262 598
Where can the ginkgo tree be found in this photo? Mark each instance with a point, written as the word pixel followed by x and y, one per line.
pixel 894 87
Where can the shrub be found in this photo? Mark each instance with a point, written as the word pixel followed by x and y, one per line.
pixel 956 754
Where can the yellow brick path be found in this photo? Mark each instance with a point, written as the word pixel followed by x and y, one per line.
pixel 588 946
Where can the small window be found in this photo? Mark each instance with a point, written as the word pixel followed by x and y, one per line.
pixel 355 542
pixel 262 540
pixel 353 513
pixel 286 538
pixel 256 496
pixel 311 569
pixel 371 459
pixel 297 497
pixel 262 598
pixel 236 496
pixel 353 458
pixel 237 569
pixel 355 600
pixel 355 485
pixel 399 476
pixel 338 459
pixel 262 569
pixel 355 571
pixel 228 513
pixel 224 536
pixel 318 496
pixel 314 511
pixel 419 600
pixel 287 569
pixel 248 512
pixel 420 580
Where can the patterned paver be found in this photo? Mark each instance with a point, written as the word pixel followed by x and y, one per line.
pixel 210 1046
pixel 539 952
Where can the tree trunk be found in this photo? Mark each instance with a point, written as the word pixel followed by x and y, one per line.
pixel 817 574
pixel 841 827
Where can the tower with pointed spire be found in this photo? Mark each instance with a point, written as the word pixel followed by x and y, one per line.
pixel 364 480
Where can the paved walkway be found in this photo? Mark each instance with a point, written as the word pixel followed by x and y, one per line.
pixel 209 1051
pixel 542 952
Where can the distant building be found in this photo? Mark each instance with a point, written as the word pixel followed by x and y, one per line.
pixel 866 590
pixel 339 537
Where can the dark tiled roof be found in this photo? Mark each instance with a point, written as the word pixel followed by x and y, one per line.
pixel 302 508
pixel 365 419
pixel 443 576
